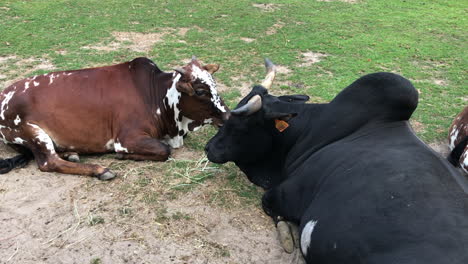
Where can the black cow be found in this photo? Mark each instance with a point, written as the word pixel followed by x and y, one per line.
pixel 362 187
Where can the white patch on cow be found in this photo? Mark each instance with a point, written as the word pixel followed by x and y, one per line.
pixel 18 140
pixel 51 78
pixel 110 144
pixel 36 84
pixel 306 235
pixel 206 78
pixel 184 124
pixel 68 74
pixel 26 86
pixel 175 142
pixel 464 161
pixel 158 112
pixel 119 148
pixel 173 97
pixel 4 105
pixel 17 120
pixel 71 147
pixel 453 137
pixel 42 137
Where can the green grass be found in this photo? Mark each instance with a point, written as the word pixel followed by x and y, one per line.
pixel 425 41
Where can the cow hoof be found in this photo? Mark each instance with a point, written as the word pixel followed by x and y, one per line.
pixel 285 237
pixel 106 176
pixel 74 158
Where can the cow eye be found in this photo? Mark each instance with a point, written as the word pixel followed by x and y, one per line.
pixel 200 92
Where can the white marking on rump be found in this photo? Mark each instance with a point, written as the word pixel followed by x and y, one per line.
pixel 4 105
pixel 110 144
pixel 36 84
pixel 306 236
pixel 453 137
pixel 17 120
pixel 119 148
pixel 464 160
pixel 42 137
pixel 206 78
pixel 26 86
pixel 18 140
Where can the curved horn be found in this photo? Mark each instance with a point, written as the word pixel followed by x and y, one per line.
pixel 180 70
pixel 271 73
pixel 252 106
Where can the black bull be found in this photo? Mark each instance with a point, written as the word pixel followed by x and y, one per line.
pixel 351 173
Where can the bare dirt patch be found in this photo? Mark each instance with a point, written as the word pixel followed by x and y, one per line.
pixel 283 69
pixel 440 82
pixel 310 58
pixel 274 29
pixel 440 147
pixel 141 42
pixel 267 7
pixel 248 40
pixel 137 218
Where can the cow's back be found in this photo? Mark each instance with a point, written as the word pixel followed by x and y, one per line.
pixel 384 197
pixel 78 108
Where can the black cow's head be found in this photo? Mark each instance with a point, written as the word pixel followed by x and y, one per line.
pixel 200 100
pixel 248 133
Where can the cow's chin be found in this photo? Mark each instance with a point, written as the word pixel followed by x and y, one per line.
pixel 216 158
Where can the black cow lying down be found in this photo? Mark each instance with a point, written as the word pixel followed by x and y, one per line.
pixel 351 174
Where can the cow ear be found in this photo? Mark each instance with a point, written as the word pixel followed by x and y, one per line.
pixel 280 116
pixel 185 87
pixel 211 68
pixel 297 98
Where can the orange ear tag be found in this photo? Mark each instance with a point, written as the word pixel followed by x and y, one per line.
pixel 281 125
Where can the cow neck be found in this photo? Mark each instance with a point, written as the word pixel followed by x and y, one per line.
pixel 176 125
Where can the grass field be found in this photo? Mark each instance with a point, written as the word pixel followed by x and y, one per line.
pixel 319 46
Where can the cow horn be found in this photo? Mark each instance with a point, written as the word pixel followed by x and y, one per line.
pixel 252 106
pixel 271 73
pixel 180 70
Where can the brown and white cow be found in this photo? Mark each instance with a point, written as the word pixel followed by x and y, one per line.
pixel 133 109
pixel 458 139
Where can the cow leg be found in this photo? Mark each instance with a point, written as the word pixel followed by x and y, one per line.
pixel 142 148
pixel 287 231
pixel 47 159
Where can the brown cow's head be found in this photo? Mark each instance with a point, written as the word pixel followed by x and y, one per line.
pixel 200 100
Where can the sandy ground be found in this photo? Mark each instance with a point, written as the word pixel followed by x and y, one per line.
pixel 57 218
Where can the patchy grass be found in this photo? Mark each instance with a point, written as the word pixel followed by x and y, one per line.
pixel 423 41
pixel 320 47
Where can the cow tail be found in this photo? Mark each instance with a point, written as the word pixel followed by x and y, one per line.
pixel 19 161
pixel 454 156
